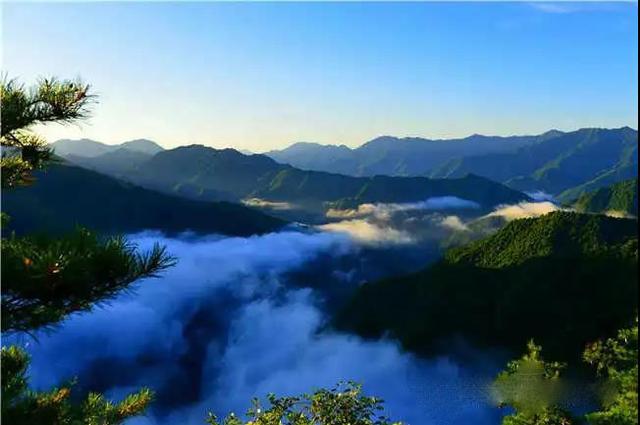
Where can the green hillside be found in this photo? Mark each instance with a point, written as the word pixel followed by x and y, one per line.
pixel 620 197
pixel 117 163
pixel 564 279
pixel 205 173
pixel 65 196
pixel 571 162
pixel 553 161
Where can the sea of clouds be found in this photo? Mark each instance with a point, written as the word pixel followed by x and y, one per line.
pixel 239 318
pixel 226 324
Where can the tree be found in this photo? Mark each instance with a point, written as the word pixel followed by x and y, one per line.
pixel 51 100
pixel 44 280
pixel 532 387
pixel 616 362
pixel 344 404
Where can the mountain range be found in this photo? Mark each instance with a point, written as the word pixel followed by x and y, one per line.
pixel 566 165
pixel 204 173
pixel 540 277
pixel 115 160
pixel 90 148
pixel 394 156
pixel 563 164
pixel 65 196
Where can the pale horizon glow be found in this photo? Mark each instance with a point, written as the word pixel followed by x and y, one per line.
pixel 261 76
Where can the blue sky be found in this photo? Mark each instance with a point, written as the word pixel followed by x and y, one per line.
pixel 263 75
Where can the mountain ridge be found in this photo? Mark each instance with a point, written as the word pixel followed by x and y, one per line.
pixel 92 148
pixel 621 197
pixel 236 176
pixel 566 165
pixel 203 173
pixel 65 195
pixel 372 157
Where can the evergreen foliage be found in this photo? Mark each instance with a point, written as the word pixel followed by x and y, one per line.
pixel 44 279
pixel 48 101
pixel 20 405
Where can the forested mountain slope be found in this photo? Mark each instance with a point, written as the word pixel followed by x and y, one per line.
pixel 65 196
pixel 205 173
pixel 619 198
pixel 395 156
pixel 563 279
pixel 567 165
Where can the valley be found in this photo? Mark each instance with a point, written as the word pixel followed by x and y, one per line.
pixel 319 213
pixel 341 276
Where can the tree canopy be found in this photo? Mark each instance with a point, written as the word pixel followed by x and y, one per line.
pixel 534 389
pixel 343 404
pixel 49 101
pixel 45 279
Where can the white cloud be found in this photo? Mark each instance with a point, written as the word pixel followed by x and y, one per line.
pixel 618 214
pixel 363 210
pixel 385 210
pixel 454 222
pixel 368 233
pixel 227 310
pixel 540 195
pixel 524 210
pixel 263 203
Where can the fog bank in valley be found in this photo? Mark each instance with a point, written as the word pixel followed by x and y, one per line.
pixel 234 319
pixel 239 318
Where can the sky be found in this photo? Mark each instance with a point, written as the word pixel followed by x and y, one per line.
pixel 260 76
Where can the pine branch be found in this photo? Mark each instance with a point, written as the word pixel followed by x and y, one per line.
pixel 44 280
pixel 51 100
pixel 23 153
pixel 21 406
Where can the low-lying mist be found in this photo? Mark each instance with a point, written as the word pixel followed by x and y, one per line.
pixel 430 222
pixel 239 318
pixel 230 322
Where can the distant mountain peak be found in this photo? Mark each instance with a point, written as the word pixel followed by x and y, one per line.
pixel 88 148
pixel 630 130
pixel 80 147
pixel 142 145
pixel 224 155
pixel 303 144
pixel 381 141
pixel 313 145
pixel 553 131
